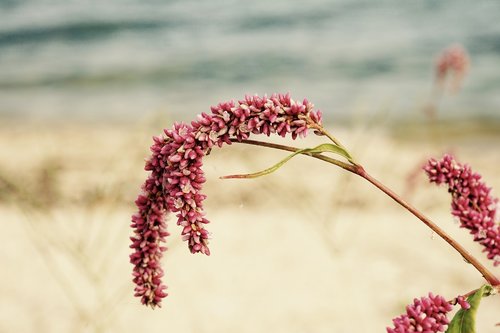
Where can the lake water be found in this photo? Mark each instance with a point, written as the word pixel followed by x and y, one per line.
pixel 126 59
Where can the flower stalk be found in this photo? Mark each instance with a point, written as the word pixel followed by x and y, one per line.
pixel 487 274
pixel 360 171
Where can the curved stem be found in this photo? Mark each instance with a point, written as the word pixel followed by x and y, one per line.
pixel 324 132
pixel 343 165
pixel 489 276
pixel 359 170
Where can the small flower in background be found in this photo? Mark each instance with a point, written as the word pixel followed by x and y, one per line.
pixel 450 68
pixel 427 314
pixel 452 62
pixel 472 202
pixel 176 177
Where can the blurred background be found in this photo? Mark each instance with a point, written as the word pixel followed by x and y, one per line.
pixel 123 59
pixel 85 84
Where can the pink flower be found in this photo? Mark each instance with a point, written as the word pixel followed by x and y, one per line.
pixel 150 232
pixel 472 202
pixel 176 178
pixel 452 61
pixel 462 302
pixel 427 314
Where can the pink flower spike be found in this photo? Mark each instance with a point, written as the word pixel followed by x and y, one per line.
pixel 176 177
pixel 472 202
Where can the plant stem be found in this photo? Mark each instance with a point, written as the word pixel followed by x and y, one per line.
pixel 324 132
pixel 489 276
pixel 360 171
pixel 494 291
pixel 343 165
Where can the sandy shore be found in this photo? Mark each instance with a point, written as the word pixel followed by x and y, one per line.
pixel 307 249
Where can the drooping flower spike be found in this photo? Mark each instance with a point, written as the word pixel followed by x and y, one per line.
pixel 472 202
pixel 176 177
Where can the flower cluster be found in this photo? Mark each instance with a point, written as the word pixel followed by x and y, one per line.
pixel 427 314
pixel 472 202
pixel 176 176
pixel 453 60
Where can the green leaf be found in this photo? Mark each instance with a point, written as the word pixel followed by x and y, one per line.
pixel 323 148
pixel 465 320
